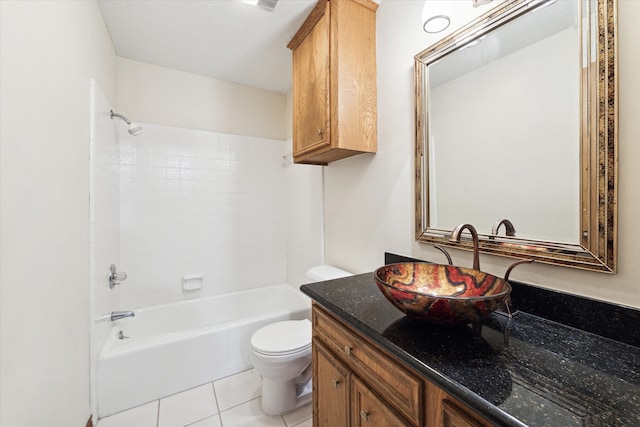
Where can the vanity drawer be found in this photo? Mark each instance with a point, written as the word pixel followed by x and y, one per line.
pixel 400 388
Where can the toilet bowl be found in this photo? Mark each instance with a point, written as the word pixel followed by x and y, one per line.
pixel 281 353
pixel 282 356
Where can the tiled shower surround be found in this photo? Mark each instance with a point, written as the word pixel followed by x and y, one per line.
pixel 199 203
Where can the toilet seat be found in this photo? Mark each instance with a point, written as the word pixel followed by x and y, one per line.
pixel 283 338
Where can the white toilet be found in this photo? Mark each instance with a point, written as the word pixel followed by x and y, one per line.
pixel 281 353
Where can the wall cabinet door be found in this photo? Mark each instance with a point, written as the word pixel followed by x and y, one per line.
pixel 331 388
pixel 311 90
pixel 334 82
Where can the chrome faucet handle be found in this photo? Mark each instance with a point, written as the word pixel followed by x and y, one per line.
pixel 115 277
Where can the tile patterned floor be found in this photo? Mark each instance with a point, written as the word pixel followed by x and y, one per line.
pixel 228 402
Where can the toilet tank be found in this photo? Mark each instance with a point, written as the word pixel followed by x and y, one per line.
pixel 320 273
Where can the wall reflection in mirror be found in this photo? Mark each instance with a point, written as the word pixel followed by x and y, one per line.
pixel 516 118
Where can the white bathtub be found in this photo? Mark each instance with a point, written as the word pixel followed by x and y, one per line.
pixel 173 347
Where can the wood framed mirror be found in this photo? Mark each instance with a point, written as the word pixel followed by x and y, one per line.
pixel 516 118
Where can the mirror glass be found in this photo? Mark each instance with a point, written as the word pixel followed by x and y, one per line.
pixel 516 119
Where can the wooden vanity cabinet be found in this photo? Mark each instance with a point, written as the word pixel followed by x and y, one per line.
pixel 367 410
pixel 356 383
pixel 332 384
pixel 442 410
pixel 334 82
pixel 343 399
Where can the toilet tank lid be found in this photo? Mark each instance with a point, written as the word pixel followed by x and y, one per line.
pixel 326 272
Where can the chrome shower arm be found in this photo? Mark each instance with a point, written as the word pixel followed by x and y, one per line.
pixel 119 115
pixel 134 128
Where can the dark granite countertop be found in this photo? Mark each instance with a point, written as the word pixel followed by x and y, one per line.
pixel 520 371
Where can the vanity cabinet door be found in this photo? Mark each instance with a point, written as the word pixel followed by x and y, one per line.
pixel 444 410
pixel 399 387
pixel 331 389
pixel 369 411
pixel 453 416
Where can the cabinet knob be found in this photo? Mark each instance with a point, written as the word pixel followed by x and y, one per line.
pixel 320 133
pixel 347 349
pixel 364 415
pixel 335 383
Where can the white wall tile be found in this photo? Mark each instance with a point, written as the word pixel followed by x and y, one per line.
pixel 200 202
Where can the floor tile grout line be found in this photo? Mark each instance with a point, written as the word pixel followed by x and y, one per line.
pixel 298 423
pixel 215 396
pixel 240 404
pixel 202 419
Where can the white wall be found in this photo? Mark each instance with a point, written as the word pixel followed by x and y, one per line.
pixel 104 223
pixel 369 199
pixel 48 53
pixel 305 212
pixel 199 203
pixel 153 94
pixel 305 221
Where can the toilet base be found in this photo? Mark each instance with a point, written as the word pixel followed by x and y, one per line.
pixel 280 397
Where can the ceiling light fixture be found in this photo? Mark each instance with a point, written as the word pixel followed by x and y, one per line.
pixel 436 15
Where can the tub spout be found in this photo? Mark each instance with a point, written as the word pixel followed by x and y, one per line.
pixel 117 315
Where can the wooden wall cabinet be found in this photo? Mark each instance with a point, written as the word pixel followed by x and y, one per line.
pixel 334 82
pixel 356 383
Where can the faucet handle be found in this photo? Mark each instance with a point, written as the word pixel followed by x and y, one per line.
pixel 523 261
pixel 115 277
pixel 509 229
pixel 445 252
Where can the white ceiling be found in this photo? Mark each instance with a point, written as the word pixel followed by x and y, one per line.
pixel 224 39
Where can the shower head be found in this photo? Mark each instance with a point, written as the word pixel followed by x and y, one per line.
pixel 134 128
